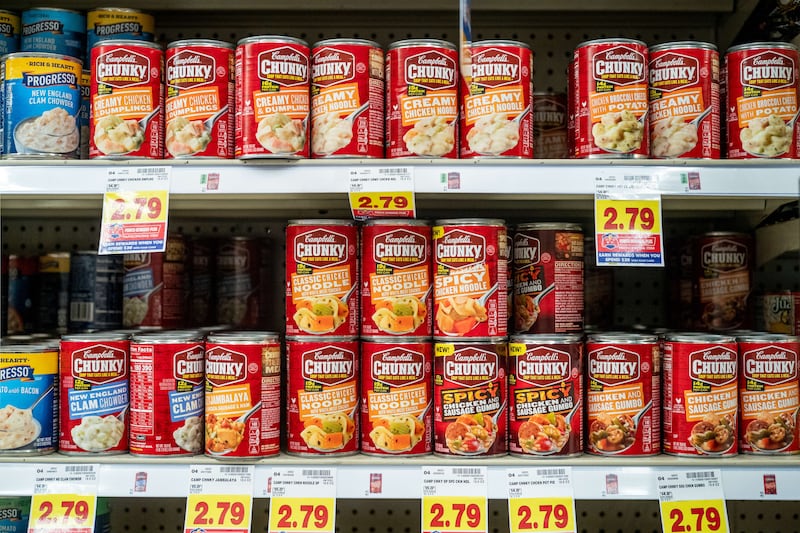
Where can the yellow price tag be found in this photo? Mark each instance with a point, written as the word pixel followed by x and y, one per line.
pixel 229 512
pixel 453 513
pixel 135 206
pixel 554 515
pixel 369 204
pixel 693 516
pixel 628 216
pixel 295 515
pixel 63 512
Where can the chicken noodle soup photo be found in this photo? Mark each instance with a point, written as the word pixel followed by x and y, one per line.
pixel 319 315
pixel 328 433
pixel 399 315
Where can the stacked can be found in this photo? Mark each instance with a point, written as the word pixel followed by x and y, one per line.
pixel 53 293
pixel 54 31
pixel 10 24
pixel 396 352
pixel 322 352
pixel 470 417
pixel 781 312
pixel 95 292
pixel 123 23
pixel 551 133
pixel 241 276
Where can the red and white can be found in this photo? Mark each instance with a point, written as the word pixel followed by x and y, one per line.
pixel 93 393
pixel 166 405
pixel 551 128
pixel 611 85
pixel 199 104
pixel 397 396
pixel 422 99
pixel 347 98
pixel 272 97
pixel 242 395
pixel 769 394
pixel 701 397
pixel 762 100
pixel 496 118
pixel 127 100
pixel 545 395
pixel 684 100
pixel 396 278
pixel 322 396
pixel 469 277
pixel 548 278
pixel 470 418
pixel 241 281
pixel 322 278
pixel 623 394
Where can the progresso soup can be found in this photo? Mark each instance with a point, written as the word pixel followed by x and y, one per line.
pixel 104 23
pixel 54 31
pixel 9 32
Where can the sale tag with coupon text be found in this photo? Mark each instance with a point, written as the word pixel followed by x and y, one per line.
pixel 302 500
pixel 541 500
pixel 220 499
pixel 692 502
pixel 454 499
pixel 381 192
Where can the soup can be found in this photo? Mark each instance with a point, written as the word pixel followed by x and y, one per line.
pixel 347 98
pixel 396 278
pixel 84 112
pixel 322 395
pixel 54 30
pixel 53 297
pixel 272 97
pixel 397 396
pixel 497 101
pixel 202 281
pixel 422 99
pixel 95 292
pixel 94 393
pixel 551 126
pixel 241 279
pixel 103 23
pixel 10 25
pixel 781 312
pixel 545 395
pixel 23 274
pixel 470 418
pixel 243 395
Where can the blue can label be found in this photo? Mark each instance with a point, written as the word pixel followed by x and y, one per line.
pixel 103 24
pixel 95 298
pixel 54 31
pixel 9 33
pixel 83 113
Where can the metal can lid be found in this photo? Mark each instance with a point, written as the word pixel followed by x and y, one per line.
pixel 622 337
pixel 699 338
pixel 243 337
pixel 761 44
pixel 42 55
pixel 118 10
pixel 405 43
pixel 737 234
pixel 396 340
pixel 396 222
pixel 469 222
pixel 127 42
pixel 167 337
pixel 312 338
pixel 35 347
pixel 682 45
pixel 562 226
pixel 546 338
pixel 272 39
pixel 321 222
pixel 469 340
pixel 759 336
pixel 97 336
pixel 345 40
pixel 210 43
pixel 48 9
pixel 7 12
pixel 611 40
pixel 501 42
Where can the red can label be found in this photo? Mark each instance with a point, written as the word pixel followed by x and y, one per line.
pixel 153 288
pixel 469 399
pixel 496 117
pixel 199 104
pixel 545 388
pixel 623 400
pixel 470 280
pixel 723 281
pixel 323 397
pixel 548 281
pixel 322 280
pixel 762 97
pixel 347 99
pixel 127 98
pixel 272 98
pixel 94 396
pixel 166 398
pixel 700 398
pixel 397 395
pixel 422 101
pixel 768 393
pixel 241 283
pixel 611 84
pixel 243 399
pixel 550 126
pixel 396 280
pixel 684 102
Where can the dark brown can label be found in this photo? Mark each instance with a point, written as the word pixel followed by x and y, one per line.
pixel 723 266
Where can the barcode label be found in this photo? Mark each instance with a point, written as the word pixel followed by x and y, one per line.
pixel 316 473
pixel 81 311
pixel 151 170
pixel 234 469
pixel 551 472
pixel 701 475
pixel 79 468
pixel 467 471
pixel 399 170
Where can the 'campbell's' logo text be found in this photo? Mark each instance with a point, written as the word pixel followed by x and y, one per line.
pixel 619 66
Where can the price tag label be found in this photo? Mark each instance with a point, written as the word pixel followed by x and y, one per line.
pixel 454 499
pixel 220 499
pixel 303 500
pixel 541 499
pixel 627 216
pixel 386 192
pixel 135 210
pixel 692 501
pixel 64 499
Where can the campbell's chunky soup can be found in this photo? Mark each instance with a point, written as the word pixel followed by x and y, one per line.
pixel 762 100
pixel 611 85
pixel 422 99
pixel 701 397
pixel 127 119
pixel 166 387
pixel 241 281
pixel 104 23
pixel 199 103
pixel 242 395
pixel 396 278
pixel 769 394
pixel 684 110
pixel 347 98
pixel 94 393
pixel 469 277
pixel 322 396
pixel 545 392
pixel 396 396
pixel 551 130
pixel 548 278
pixel 322 277
pixel 272 97
pixel 497 100
pixel 470 418
pixel 623 394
